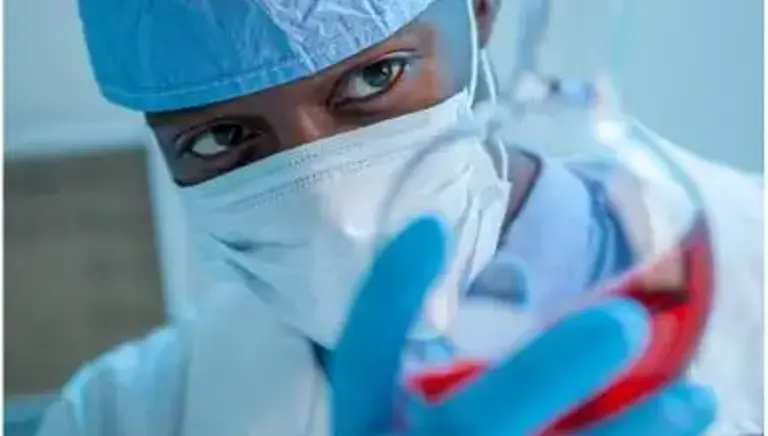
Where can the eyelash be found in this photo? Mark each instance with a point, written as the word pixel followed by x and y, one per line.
pixel 402 60
pixel 190 140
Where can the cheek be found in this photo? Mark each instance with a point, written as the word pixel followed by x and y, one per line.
pixel 430 85
pixel 191 171
pixel 164 141
pixel 436 83
pixel 168 153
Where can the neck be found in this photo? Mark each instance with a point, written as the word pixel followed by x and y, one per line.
pixel 524 170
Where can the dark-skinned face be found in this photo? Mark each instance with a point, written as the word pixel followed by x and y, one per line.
pixel 412 70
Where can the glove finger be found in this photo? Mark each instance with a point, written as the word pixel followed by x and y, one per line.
pixel 365 363
pixel 554 373
pixel 683 409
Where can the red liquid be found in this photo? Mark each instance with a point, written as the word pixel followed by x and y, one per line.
pixel 678 317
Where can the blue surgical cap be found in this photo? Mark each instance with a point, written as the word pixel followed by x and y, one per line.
pixel 157 55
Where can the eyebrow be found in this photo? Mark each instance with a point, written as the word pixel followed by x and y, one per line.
pixel 169 117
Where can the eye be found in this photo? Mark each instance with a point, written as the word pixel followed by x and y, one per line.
pixel 218 139
pixel 373 79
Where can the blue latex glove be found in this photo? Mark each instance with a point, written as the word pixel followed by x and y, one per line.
pixel 683 409
pixel 555 373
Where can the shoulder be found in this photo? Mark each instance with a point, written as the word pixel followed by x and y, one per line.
pixel 133 390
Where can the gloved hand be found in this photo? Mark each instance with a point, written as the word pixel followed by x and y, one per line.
pixel 683 409
pixel 524 394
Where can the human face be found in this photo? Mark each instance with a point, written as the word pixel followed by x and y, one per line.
pixel 401 75
pixel 410 71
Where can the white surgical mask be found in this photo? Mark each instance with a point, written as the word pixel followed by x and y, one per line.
pixel 300 228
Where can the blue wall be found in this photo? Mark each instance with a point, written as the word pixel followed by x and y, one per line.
pixel 692 70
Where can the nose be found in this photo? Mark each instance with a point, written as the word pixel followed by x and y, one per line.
pixel 302 125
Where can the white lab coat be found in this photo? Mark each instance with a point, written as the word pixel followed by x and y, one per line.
pixel 235 370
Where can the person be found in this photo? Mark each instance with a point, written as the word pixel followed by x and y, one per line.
pixel 283 124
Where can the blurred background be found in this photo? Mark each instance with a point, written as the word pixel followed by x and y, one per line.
pixel 95 246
